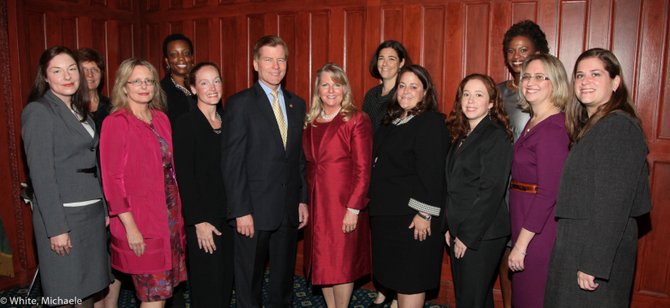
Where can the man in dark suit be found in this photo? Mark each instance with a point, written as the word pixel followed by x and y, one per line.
pixel 264 177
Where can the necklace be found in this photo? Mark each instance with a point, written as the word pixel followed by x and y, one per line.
pixel 329 117
pixel 146 120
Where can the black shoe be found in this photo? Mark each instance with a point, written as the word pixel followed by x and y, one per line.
pixel 387 300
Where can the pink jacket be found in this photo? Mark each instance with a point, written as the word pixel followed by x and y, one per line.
pixel 133 181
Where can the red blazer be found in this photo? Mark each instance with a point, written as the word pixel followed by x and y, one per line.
pixel 133 181
pixel 338 176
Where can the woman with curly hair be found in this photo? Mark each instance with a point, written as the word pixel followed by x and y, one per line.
pixel 478 166
pixel 407 190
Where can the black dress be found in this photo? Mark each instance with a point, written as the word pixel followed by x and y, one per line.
pixel 408 163
pixel 197 155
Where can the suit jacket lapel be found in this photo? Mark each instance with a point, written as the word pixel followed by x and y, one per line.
pixel 69 118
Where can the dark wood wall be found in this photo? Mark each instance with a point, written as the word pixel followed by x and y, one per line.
pixel 451 38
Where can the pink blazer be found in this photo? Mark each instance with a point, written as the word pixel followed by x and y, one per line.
pixel 133 181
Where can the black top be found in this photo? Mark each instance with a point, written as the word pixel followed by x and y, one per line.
pixel 375 105
pixel 477 174
pixel 178 103
pixel 408 162
pixel 197 158
pixel 103 111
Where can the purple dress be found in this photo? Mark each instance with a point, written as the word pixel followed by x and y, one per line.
pixel 539 155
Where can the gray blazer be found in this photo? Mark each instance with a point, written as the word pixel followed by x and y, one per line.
pixel 60 154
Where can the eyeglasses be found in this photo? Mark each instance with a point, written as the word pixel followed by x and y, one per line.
pixel 538 77
pixel 138 82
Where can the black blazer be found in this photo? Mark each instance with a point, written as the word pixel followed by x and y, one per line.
pixel 197 159
pixel 477 175
pixel 408 162
pixel 260 176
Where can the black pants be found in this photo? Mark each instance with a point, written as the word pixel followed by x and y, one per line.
pixel 210 276
pixel 250 256
pixel 475 273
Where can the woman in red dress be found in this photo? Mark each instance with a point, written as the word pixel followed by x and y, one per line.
pixel 338 148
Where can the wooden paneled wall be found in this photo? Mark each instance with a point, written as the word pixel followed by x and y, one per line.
pixel 451 38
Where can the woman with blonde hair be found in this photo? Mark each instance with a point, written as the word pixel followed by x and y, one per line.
pixel 338 144
pixel 539 154
pixel 139 184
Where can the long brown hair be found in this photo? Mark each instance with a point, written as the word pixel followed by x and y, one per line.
pixel 459 126
pixel 577 120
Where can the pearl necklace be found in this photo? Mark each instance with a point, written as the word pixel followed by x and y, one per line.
pixel 329 117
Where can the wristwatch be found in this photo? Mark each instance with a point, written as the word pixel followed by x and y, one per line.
pixel 427 217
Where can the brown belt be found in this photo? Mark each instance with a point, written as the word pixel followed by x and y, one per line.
pixel 524 187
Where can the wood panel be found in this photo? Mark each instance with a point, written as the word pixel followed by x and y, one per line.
pixel 450 37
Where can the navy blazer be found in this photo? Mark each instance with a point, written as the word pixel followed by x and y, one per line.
pixel 58 151
pixel 260 176
pixel 477 175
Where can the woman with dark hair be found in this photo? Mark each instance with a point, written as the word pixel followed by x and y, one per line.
pixel 197 155
pixel 337 142
pixel 604 187
pixel 389 58
pixel 178 57
pixel 478 167
pixel 407 188
pixel 536 170
pixel 522 40
pixel 138 178
pixel 93 67
pixel 69 213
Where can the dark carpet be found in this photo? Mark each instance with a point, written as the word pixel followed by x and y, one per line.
pixel 304 296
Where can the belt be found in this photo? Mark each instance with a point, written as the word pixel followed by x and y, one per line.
pixel 93 170
pixel 524 187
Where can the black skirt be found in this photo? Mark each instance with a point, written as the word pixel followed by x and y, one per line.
pixel 401 263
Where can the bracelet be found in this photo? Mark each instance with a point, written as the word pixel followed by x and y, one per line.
pixel 426 217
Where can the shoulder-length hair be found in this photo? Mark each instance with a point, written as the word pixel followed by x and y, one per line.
pixel 560 93
pixel 338 75
pixel 91 55
pixel 458 123
pixel 80 99
pixel 120 98
pixel 577 121
pixel 429 101
pixel 399 49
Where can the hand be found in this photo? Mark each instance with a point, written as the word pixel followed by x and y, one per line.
pixel 349 222
pixel 303 215
pixel 245 225
pixel 459 249
pixel 106 221
pixel 421 228
pixel 586 281
pixel 61 244
pixel 135 241
pixel 204 232
pixel 515 260
pixel 447 238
